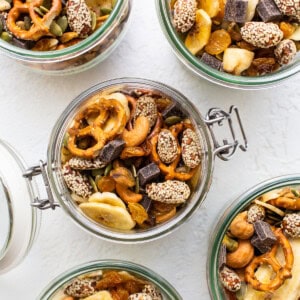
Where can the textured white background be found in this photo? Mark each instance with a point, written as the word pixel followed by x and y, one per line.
pixel 30 104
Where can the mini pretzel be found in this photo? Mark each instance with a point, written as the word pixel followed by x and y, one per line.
pixel 40 25
pixel 282 272
pixel 105 111
pixel 170 170
pixel 285 202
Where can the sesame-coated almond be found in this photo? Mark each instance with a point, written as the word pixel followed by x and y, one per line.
pixel 146 106
pixel 79 163
pixel 184 14
pixel 191 149
pixel 166 146
pixel 285 52
pixel 80 288
pixel 230 279
pixel 152 291
pixel 291 225
pixel 289 8
pixel 262 35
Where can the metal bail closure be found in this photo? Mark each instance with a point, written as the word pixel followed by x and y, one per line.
pixel 217 116
pixel 37 202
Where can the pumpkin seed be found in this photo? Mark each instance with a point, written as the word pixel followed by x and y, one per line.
pixel 94 20
pixel 133 170
pixel 97 178
pixel 105 11
pixel 6 36
pixel 63 23
pixel 43 9
pixel 1 27
pixel 93 184
pixel 172 120
pixel 65 140
pixel 27 22
pixel 98 172
pixel 295 192
pixel 107 169
pixel 137 185
pixel 55 29
pixel 38 11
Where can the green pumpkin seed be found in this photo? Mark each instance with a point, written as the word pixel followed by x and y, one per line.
pixel 6 36
pixel 133 170
pixel 27 22
pixel 97 178
pixel 295 192
pixel 172 120
pixel 63 23
pixel 43 9
pixel 137 185
pixel 98 172
pixel 94 20
pixel 105 11
pixel 107 169
pixel 55 29
pixel 1 28
pixel 38 11
pixel 66 139
pixel 93 184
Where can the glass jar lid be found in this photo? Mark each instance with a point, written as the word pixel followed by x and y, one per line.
pixel 18 219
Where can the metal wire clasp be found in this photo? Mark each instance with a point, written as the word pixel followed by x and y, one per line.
pixel 217 116
pixel 41 170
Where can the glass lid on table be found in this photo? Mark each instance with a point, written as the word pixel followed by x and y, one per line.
pixel 259 256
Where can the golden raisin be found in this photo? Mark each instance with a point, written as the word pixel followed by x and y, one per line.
pixel 109 280
pixel 262 66
pixel 123 176
pixel 106 184
pixel 245 45
pixel 218 42
pixel 119 294
pixel 138 212
pixel 287 29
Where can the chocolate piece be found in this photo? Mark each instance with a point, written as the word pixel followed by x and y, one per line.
pixel 268 11
pixel 211 61
pixel 236 11
pixel 146 202
pixel 264 238
pixel 222 256
pixel 22 43
pixel 148 173
pixel 111 150
pixel 173 109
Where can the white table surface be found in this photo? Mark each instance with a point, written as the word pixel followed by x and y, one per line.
pixel 30 103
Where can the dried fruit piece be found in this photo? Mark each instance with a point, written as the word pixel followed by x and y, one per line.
pixel 106 184
pixel 102 295
pixel 251 9
pixel 109 280
pixel 262 66
pixel 210 6
pixel 296 35
pixel 285 52
pixel 218 42
pixel 287 28
pixel 127 195
pixel 198 36
pixel 123 176
pixel 184 14
pixel 107 198
pixel 138 213
pixel 262 35
pixel 237 60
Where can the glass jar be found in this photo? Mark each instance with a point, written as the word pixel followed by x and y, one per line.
pixel 81 56
pixel 167 290
pixel 56 189
pixel 228 214
pixel 204 71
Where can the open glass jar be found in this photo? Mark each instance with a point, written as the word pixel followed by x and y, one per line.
pixel 82 55
pixel 58 193
pixel 55 289
pixel 279 198
pixel 205 71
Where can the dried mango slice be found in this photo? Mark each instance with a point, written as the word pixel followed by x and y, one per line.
pixel 123 176
pixel 198 36
pixel 212 7
pixel 138 212
pixel 218 42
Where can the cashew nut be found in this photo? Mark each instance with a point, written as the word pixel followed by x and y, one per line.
pixel 240 227
pixel 241 256
pixel 138 134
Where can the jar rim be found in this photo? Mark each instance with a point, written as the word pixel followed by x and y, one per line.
pixel 109 233
pixel 137 269
pixel 213 75
pixel 225 218
pixel 83 45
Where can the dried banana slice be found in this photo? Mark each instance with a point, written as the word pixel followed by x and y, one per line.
pixel 108 215
pixel 103 295
pixel 107 198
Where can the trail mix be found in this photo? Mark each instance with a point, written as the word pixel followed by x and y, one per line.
pixel 108 285
pixel 260 254
pixel 129 157
pixel 240 37
pixel 45 25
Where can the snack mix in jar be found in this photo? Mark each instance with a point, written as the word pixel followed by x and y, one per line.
pixel 108 285
pixel 259 256
pixel 46 25
pixel 130 158
pixel 240 37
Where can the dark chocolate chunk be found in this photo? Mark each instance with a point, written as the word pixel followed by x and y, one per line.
pixel 222 256
pixel 268 11
pixel 236 11
pixel 146 202
pixel 173 109
pixel 111 150
pixel 264 237
pixel 211 61
pixel 22 43
pixel 148 173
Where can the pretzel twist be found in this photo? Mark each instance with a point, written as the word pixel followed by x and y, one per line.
pixel 282 272
pixel 170 170
pixel 286 202
pixel 106 111
pixel 40 26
